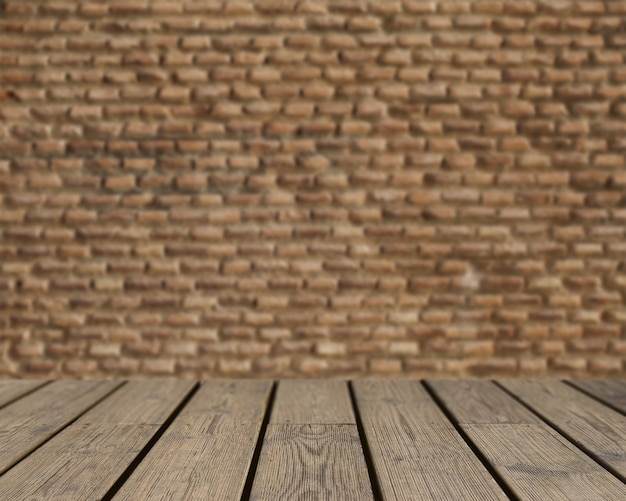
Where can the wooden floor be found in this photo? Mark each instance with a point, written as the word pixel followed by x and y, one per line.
pixel 291 440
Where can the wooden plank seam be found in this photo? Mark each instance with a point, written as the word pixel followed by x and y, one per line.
pixel 562 432
pixel 369 461
pixel 22 393
pixel 245 495
pixel 473 446
pixel 67 424
pixel 144 452
pixel 605 401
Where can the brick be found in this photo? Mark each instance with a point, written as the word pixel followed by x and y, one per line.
pixel 174 94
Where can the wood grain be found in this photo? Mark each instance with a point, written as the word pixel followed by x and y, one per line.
pixel 312 448
pixel 481 404
pixel 612 392
pixel 535 461
pixel 75 439
pixel 12 390
pixel 206 452
pixel 27 423
pixel 302 462
pixel 596 427
pixel 85 459
pixel 415 449
pixel 312 402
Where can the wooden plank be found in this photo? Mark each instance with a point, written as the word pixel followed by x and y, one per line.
pixel 207 451
pixel 596 427
pixel 312 448
pixel 612 392
pixel 311 462
pixel 85 459
pixel 32 420
pixel 416 451
pixel 312 402
pixel 484 403
pixel 12 390
pixel 534 460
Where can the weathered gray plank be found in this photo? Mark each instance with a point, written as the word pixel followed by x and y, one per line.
pixel 12 390
pixel 85 459
pixel 312 402
pixel 32 420
pixel 598 428
pixel 206 452
pixel 534 460
pixel 303 462
pixel 612 392
pixel 483 403
pixel 312 448
pixel 416 451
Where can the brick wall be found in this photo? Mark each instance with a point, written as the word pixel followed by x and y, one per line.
pixel 312 188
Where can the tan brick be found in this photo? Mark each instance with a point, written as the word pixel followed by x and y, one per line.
pixel 158 366
pixel 310 365
pixel 403 348
pixel 385 366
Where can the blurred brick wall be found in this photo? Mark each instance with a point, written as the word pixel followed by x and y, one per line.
pixel 312 188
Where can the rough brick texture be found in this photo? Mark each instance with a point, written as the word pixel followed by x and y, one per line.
pixel 211 188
